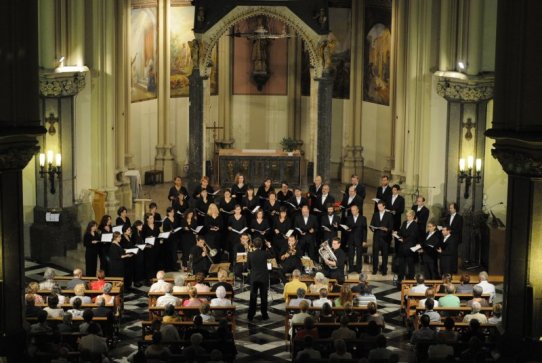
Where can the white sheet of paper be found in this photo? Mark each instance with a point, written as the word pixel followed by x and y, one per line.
pixel 150 240
pixel 52 217
pixel 141 247
pixel 326 229
pixel 317 210
pixel 345 227
pixel 177 229
pixel 376 200
pixel 132 250
pixel 197 229
pixel 439 228
pixel 269 266
pixel 164 235
pixel 289 233
pixel 299 229
pixel 107 237
pixel 255 209
pixel 415 248
pixel 117 229
pixel 239 232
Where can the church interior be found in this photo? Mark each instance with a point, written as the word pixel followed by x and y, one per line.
pixel 126 118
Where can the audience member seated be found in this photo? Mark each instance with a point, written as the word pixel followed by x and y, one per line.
pixel 326 314
pixel 222 276
pixel 348 312
pixel 292 286
pixel 363 286
pixel 220 299
pixel 446 279
pixel 308 329
pixel 364 297
pixel 343 332
pixel 308 353
pixel 448 335
pixel 99 283
pixel 67 324
pixel 429 294
pixel 32 310
pixel 92 345
pixel 225 337
pixel 53 311
pixel 474 353
pixel 340 351
pixel 475 314
pixel 76 280
pixel 197 328
pixel 79 291
pixel 201 285
pixel 374 315
pixel 497 314
pixel 179 284
pixel 205 313
pixel 32 289
pixel 156 352
pixel 168 298
pixel 49 276
pixel 58 292
pixel 420 285
pixel 88 315
pixel 320 282
pixel 487 288
pixel 109 299
pixel 76 308
pixel 193 299
pixel 170 315
pixel 424 333
pixel 41 326
pixel 195 351
pixel 373 330
pixel 168 331
pixel 433 315
pixel 102 311
pixel 464 287
pixel 300 317
pixel 345 296
pixel 477 292
pixel 449 300
pixel 440 351
pixel 473 331
pixel 160 285
pixel 318 303
pixel 380 353
pixel 215 356
pixel 300 297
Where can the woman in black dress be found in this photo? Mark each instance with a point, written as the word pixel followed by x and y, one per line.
pixel 214 230
pixel 153 210
pixel 236 224
pixel 239 188
pixel 126 242
pixel 188 236
pixel 202 206
pixel 151 251
pixel 122 218
pixel 180 204
pixel 259 226
pixel 264 190
pixel 204 185
pixel 103 248
pixel 139 259
pixel 117 256
pixel 250 201
pixel 271 208
pixel 169 255
pixel 225 205
pixel 282 225
pixel 176 189
pixel 91 241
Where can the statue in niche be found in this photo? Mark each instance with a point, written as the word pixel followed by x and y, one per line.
pixel 194 52
pixel 326 49
pixel 321 18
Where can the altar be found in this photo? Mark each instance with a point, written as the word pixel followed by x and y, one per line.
pixel 258 164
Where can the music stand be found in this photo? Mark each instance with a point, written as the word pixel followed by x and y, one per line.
pixel 242 258
pixel 215 267
pixel 271 264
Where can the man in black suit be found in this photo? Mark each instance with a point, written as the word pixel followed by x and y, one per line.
pixel 360 189
pixel 406 237
pixel 357 239
pixel 329 224
pixel 306 226
pixel 296 202
pixel 382 226
pixel 315 190
pixel 396 206
pixel 259 279
pixel 349 200
pixel 455 222
pixel 448 252
pixel 335 269
pixel 422 216
pixel 323 200
pixel 383 192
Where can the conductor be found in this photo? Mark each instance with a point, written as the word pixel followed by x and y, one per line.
pixel 259 279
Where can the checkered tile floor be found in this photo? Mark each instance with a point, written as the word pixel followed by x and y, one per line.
pixel 257 341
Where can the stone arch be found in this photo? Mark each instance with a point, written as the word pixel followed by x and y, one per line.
pixel 210 38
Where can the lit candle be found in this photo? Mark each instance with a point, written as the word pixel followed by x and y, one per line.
pixel 42 159
pixel 470 162
pixel 50 156
pixel 461 164
pixel 478 164
pixel 58 159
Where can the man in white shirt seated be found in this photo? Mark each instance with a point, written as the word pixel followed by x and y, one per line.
pixel 420 285
pixel 475 314
pixel 487 287
pixel 160 284
pixel 318 303
pixel 168 299
pixel 300 297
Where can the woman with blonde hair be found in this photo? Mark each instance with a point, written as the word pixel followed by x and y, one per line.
pixel 345 296
pixel 79 291
pixel 193 299
pixel 32 289
pixel 213 228
pixel 319 283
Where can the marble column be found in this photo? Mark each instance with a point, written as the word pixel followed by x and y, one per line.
pixel 47 34
pixel 517 131
pixel 323 153
pixel 195 128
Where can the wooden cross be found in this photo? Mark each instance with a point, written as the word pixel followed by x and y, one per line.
pixel 214 128
pixel 468 125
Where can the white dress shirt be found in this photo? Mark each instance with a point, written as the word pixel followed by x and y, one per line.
pixel 159 286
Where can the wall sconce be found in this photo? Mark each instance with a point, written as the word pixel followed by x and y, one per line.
pixel 466 174
pixel 51 170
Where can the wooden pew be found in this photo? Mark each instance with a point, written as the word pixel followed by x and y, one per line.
pixel 153 296
pixel 359 348
pixel 227 347
pixel 116 293
pixel 413 300
pixel 187 312
pixel 192 280
pixel 457 313
pixel 146 327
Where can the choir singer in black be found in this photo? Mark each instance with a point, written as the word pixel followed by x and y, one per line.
pixel 396 206
pixel 382 226
pixel 306 226
pixel 405 239
pixel 357 238
pixel 334 268
pixel 383 192
pixel 329 224
pixel 200 257
pixel 259 280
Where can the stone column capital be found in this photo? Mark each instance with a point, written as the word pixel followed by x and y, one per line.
pixel 63 83
pixel 459 87
pixel 16 150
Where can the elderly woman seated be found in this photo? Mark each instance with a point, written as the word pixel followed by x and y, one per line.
pixel 49 276
pixel 201 285
pixel 220 299
pixel 319 283
pixel 58 292
pixel 79 291
pixel 32 290
pixel 109 299
pixel 179 284
pixel 475 314
pixel 222 277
